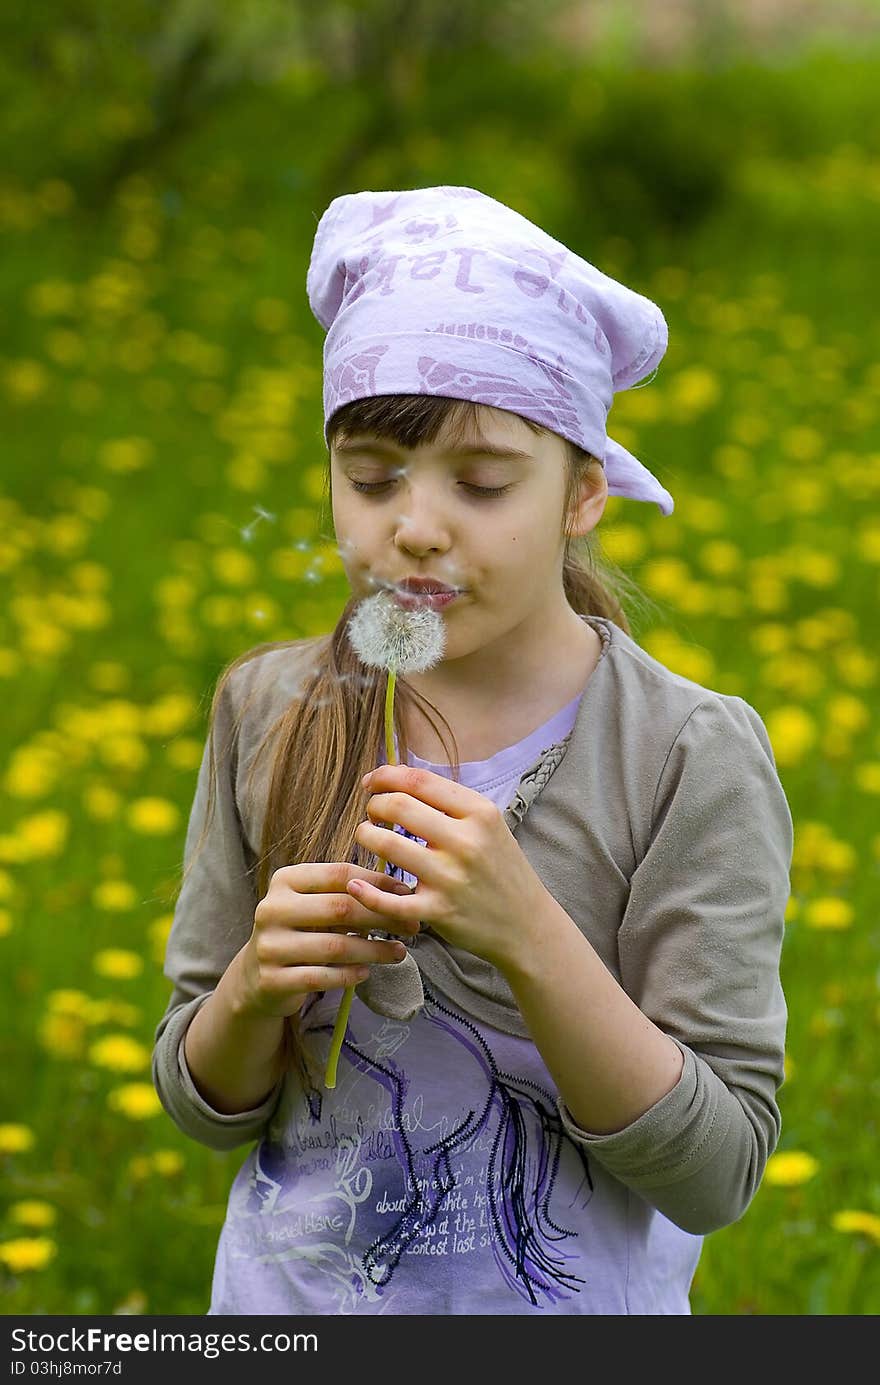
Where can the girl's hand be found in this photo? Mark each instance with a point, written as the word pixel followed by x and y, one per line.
pixel 476 888
pixel 310 935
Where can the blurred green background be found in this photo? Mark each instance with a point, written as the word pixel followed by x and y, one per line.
pixel 161 178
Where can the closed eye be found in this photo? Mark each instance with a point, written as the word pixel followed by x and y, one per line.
pixel 374 488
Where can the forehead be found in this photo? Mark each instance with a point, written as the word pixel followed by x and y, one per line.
pixel 495 433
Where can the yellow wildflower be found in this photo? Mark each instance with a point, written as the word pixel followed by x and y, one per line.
pixel 112 1012
pixel 861 1223
pixel 68 1002
pixel 137 1100
pixel 792 733
pixel 15 1139
pixel 234 567
pixel 790 1168
pixel 6 885
pixel 33 771
pixel 101 802
pixel 169 714
pixel 185 753
pixel 26 380
pixel 28 1253
pixel 867 776
pixel 123 752
pixel 829 912
pixel 120 1053
pixel 158 934
pixel 153 816
pixel 118 963
pixel 33 1213
pixel 167 1162
pixel 44 834
pixel 114 894
pixel 5 923
pixel 125 454
pixel 62 1035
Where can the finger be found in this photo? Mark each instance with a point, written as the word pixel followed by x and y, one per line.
pixel 395 847
pixel 456 800
pixel 347 949
pixel 418 818
pixel 405 919
pixel 322 877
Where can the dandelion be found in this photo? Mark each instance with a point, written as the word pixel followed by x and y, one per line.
pixel 153 816
pixel 118 963
pixel 789 1169
pixel 829 912
pixel 15 1139
pixel 387 636
pixel 33 1213
pixel 858 1223
pixel 137 1100
pixel 114 894
pixel 28 1253
pixel 120 1053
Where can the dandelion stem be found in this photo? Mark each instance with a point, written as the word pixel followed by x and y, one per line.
pixel 342 1013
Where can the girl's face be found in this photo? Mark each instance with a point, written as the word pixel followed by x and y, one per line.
pixel 483 514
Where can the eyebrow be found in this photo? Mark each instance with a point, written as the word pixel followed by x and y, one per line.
pixel 487 449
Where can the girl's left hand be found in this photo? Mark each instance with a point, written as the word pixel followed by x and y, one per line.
pixel 476 888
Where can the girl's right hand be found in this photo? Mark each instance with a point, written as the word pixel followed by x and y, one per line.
pixel 311 935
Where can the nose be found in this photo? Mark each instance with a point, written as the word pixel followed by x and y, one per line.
pixel 420 522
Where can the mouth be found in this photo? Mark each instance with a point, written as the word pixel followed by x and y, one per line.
pixel 412 599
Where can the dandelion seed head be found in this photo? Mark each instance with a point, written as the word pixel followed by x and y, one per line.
pixel 385 635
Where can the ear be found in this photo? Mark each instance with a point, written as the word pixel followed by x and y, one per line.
pixel 590 506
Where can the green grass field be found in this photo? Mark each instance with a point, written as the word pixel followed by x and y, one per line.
pixel 159 513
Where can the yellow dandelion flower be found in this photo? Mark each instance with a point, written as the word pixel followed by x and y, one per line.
pixel 117 963
pixel 829 912
pixel 790 1168
pixel 44 834
pixel 185 753
pixel 235 568
pixel 859 1223
pixel 63 1036
pixel 169 714
pixel 33 772
pixel 112 1012
pixel 694 389
pixel 28 1253
pixel 33 1213
pixel 140 1167
pixel 158 934
pixel 123 752
pixel 26 380
pixel 168 1162
pixel 120 1053
pixel 137 1100
pixel 125 454
pixel 68 1002
pixel 153 816
pixel 849 712
pixel 792 733
pixel 52 297
pixel 867 776
pixel 15 1139
pixel 101 802
pixel 114 894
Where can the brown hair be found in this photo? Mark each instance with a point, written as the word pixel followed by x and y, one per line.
pixel 327 738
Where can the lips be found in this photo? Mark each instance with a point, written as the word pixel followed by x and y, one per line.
pixel 422 586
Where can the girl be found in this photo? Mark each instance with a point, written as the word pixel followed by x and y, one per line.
pixel 561 1069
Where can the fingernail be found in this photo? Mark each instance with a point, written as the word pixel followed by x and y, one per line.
pixel 366 779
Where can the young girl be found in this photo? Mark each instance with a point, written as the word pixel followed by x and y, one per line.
pixel 561 1071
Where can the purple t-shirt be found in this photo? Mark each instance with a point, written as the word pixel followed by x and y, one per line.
pixel 436 1177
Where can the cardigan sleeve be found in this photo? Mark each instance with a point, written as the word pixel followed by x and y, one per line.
pixel 213 919
pixel 699 946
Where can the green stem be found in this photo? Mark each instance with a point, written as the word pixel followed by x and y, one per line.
pixel 342 1013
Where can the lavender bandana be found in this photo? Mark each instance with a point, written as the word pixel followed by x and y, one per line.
pixel 446 291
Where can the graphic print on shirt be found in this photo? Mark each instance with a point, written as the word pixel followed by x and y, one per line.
pixel 391 1177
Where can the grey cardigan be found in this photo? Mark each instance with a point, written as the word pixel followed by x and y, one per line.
pixel 661 827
